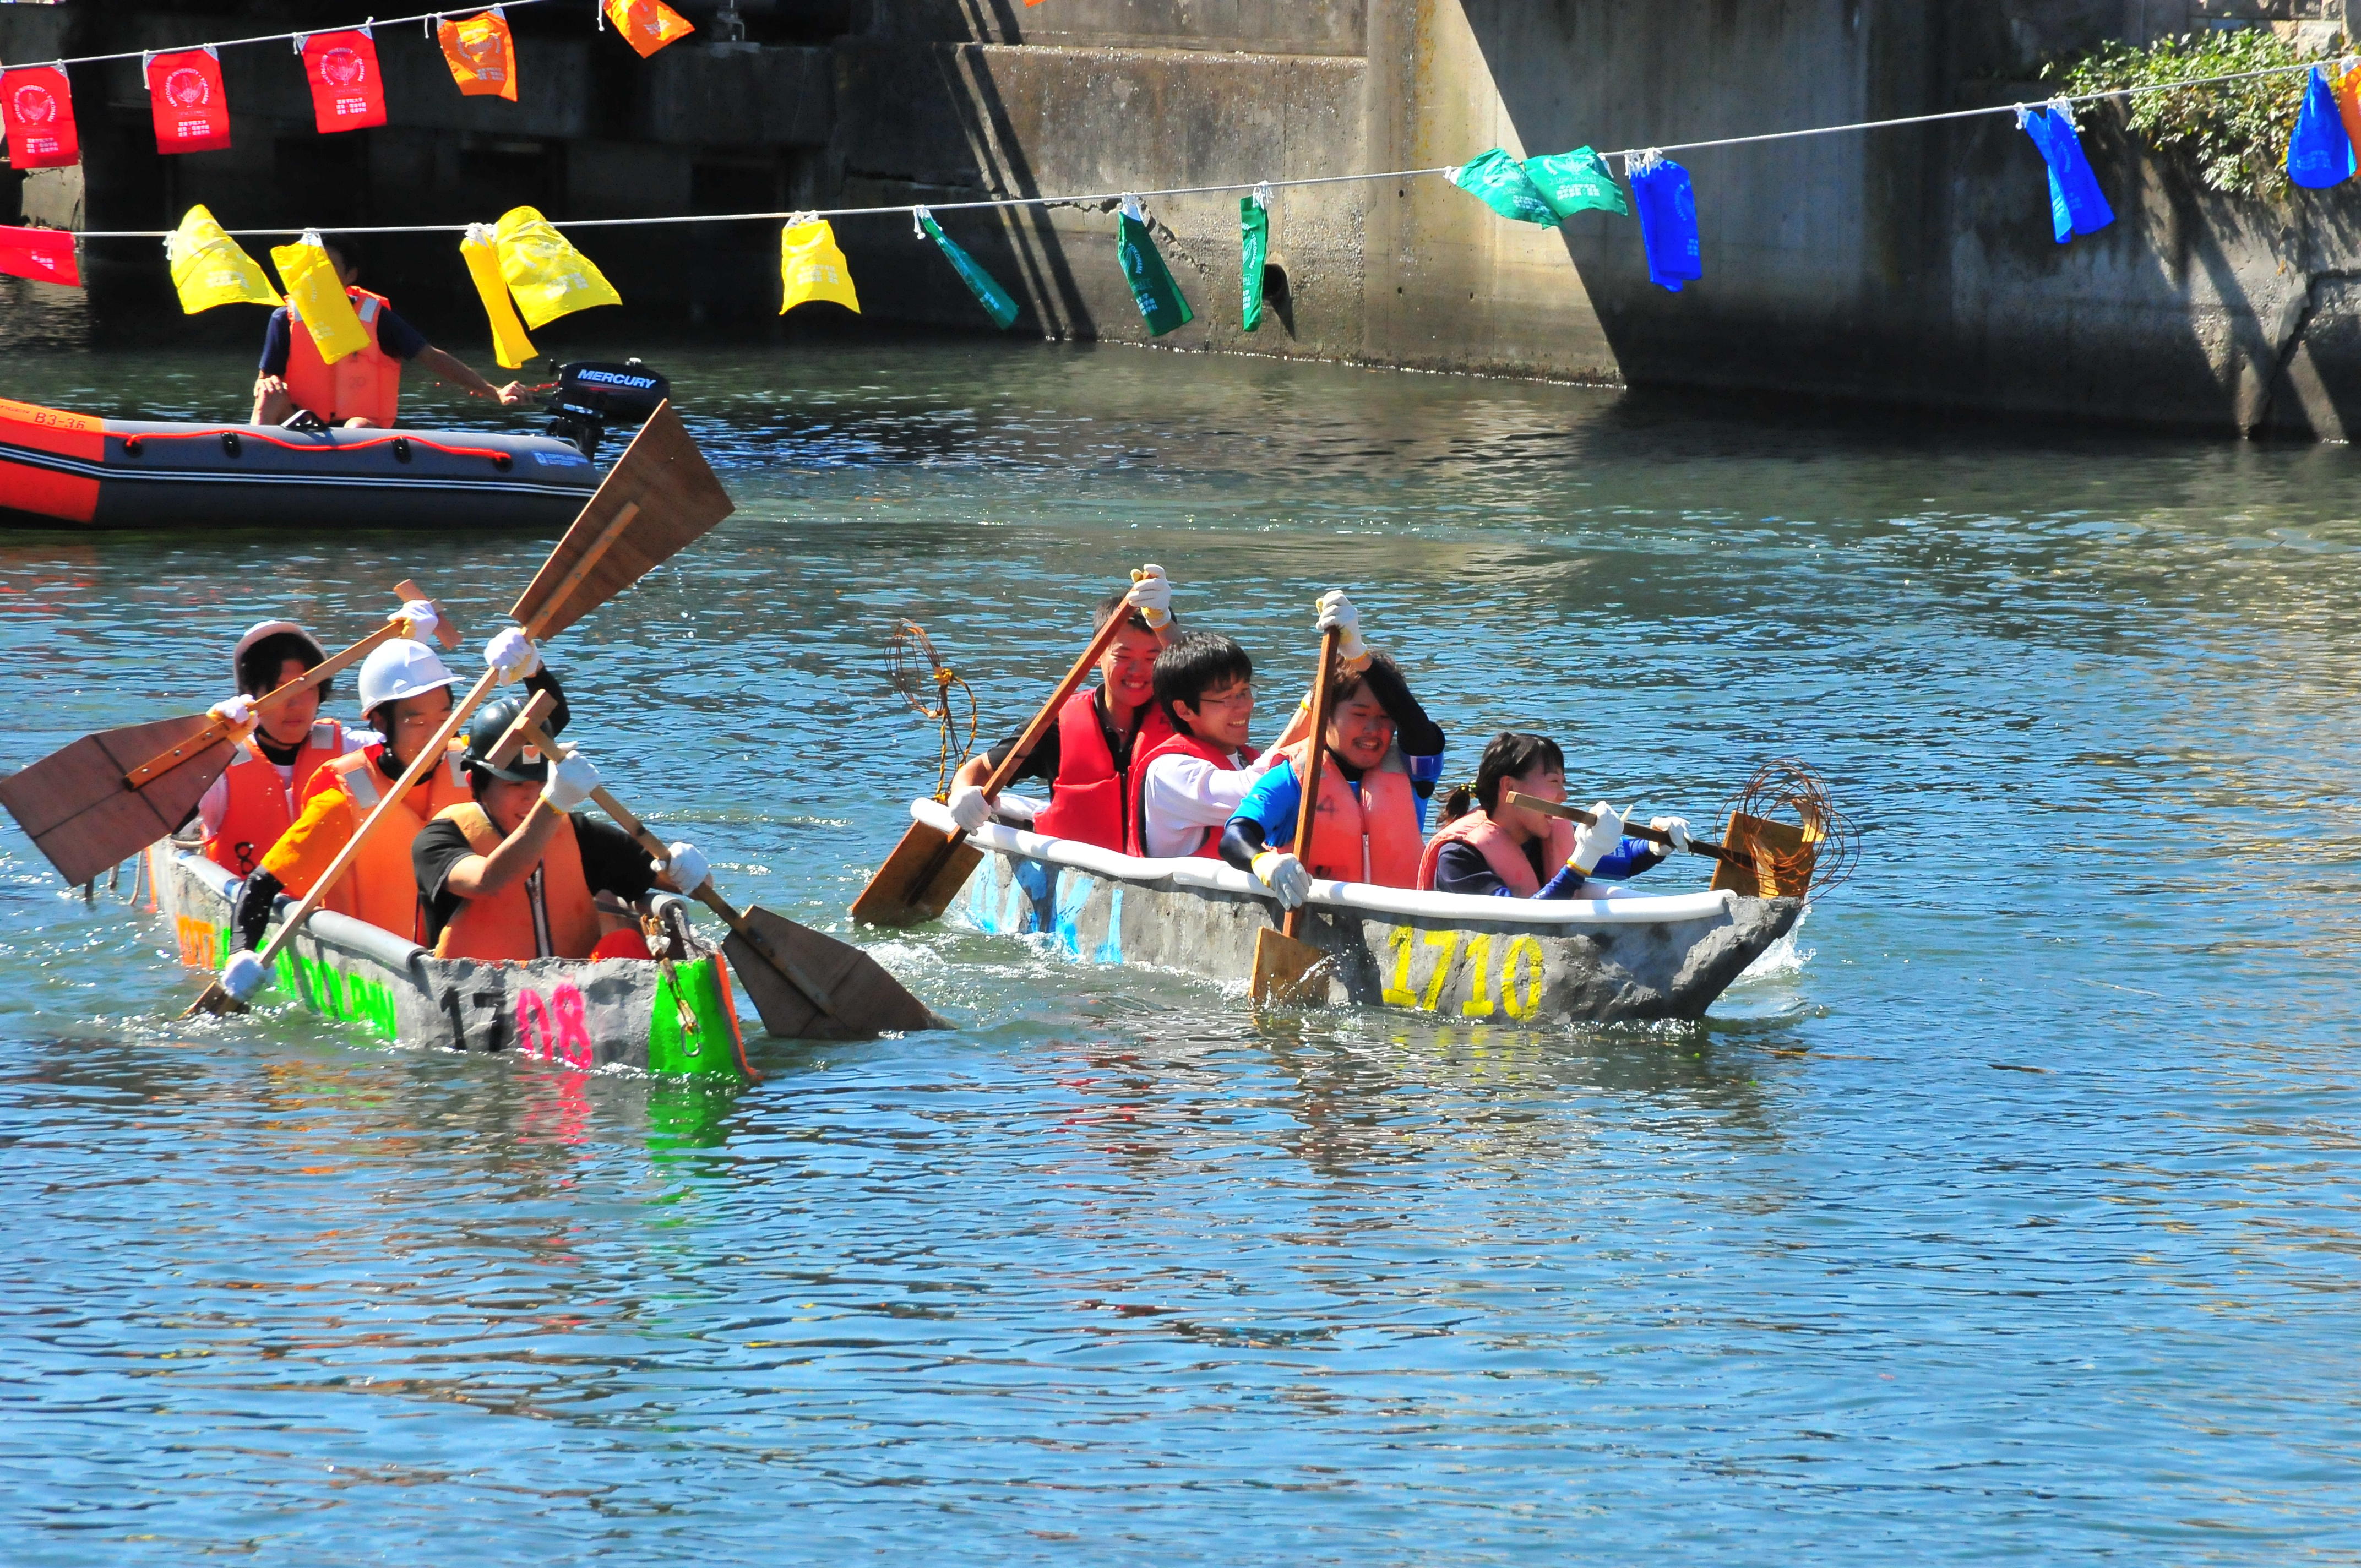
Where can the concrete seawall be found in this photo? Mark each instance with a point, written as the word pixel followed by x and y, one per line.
pixel 1902 266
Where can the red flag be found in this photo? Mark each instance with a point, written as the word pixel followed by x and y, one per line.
pixel 46 255
pixel 348 94
pixel 184 91
pixel 37 106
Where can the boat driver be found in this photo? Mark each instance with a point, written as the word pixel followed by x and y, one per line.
pixel 360 390
pixel 1494 848
pixel 1384 756
pixel 1087 756
pixel 511 874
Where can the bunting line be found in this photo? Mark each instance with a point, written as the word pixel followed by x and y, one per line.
pixel 1108 198
pixel 281 38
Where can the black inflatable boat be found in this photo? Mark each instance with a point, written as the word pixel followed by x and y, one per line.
pixel 76 471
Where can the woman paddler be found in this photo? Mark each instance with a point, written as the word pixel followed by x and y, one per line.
pixel 405 693
pixel 254 800
pixel 1087 756
pixel 1490 847
pixel 1384 754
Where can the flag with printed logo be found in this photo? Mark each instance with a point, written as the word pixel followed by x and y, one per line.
pixel 185 98
pixel 37 107
pixel 348 94
pixel 481 54
pixel 647 25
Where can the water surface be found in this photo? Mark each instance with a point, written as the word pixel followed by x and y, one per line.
pixel 2010 1214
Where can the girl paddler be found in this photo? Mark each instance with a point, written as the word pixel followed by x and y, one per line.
pixel 1490 847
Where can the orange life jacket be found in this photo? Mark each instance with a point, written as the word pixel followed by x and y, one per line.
pixel 1371 836
pixel 546 914
pixel 1507 860
pixel 1209 842
pixel 1091 798
pixel 381 888
pixel 364 384
pixel 262 804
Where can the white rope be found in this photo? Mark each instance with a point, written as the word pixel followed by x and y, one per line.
pixel 266 39
pixel 1111 198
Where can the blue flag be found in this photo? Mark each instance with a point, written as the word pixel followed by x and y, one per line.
pixel 2319 153
pixel 2077 206
pixel 1668 221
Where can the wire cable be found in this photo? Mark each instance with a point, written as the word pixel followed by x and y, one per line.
pixel 372 22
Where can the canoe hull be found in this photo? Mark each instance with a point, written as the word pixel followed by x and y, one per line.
pixel 617 1013
pixel 1623 965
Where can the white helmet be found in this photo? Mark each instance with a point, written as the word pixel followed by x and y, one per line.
pixel 256 633
pixel 399 668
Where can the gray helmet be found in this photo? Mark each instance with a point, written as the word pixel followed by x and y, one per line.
pixel 484 731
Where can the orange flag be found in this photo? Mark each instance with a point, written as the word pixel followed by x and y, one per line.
pixel 2349 103
pixel 647 25
pixel 481 54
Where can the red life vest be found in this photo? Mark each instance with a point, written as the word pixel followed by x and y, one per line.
pixel 262 804
pixel 381 887
pixel 1090 800
pixel 546 914
pixel 365 384
pixel 1371 836
pixel 1209 840
pixel 1507 860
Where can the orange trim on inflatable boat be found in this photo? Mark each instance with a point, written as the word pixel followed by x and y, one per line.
pixel 41 490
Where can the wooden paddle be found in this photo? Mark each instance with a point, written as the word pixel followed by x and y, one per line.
pixel 1705 847
pixel 659 497
pixel 1282 963
pixel 106 797
pixel 928 867
pixel 807 986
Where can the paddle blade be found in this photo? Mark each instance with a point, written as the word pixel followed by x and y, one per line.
pixel 1288 973
pixel 918 879
pixel 76 806
pixel 220 1004
pixel 679 501
pixel 1782 856
pixel 864 999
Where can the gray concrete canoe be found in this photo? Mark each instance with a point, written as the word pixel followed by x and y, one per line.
pixel 615 1012
pixel 1615 957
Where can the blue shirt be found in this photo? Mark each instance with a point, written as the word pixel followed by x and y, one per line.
pixel 396 336
pixel 1462 868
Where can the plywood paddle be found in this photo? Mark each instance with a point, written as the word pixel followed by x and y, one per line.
pixel 106 797
pixel 928 867
pixel 807 986
pixel 1760 857
pixel 1283 964
pixel 659 497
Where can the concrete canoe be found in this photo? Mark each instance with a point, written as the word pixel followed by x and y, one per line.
pixel 1616 957
pixel 582 1017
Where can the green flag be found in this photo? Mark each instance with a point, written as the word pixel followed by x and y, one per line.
pixel 1576 181
pixel 1254 250
pixel 986 289
pixel 1501 182
pixel 1159 299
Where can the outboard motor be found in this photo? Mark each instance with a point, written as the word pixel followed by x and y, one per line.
pixel 591 396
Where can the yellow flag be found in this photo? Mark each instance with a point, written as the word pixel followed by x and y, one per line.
pixel 546 274
pixel 209 269
pixel 812 268
pixel 510 344
pixel 316 297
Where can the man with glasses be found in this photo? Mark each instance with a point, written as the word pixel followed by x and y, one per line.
pixel 1191 783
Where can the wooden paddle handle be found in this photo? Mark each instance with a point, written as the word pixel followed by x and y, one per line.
pixel 1315 754
pixel 1099 644
pixel 318 674
pixel 1705 847
pixel 705 893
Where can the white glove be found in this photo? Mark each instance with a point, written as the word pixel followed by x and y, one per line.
pixel 422 617
pixel 243 975
pixel 969 808
pixel 1337 614
pixel 512 653
pixel 1285 876
pixel 1676 828
pixel 685 867
pixel 1017 810
pixel 1151 595
pixel 1595 842
pixel 571 780
pixel 237 712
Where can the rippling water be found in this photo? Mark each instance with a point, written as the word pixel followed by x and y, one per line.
pixel 2011 1214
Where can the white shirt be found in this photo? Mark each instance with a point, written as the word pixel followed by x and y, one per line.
pixel 1184 798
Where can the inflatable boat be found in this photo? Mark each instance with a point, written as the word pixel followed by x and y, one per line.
pixel 68 470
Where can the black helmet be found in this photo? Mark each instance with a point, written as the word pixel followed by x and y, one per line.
pixel 484 732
